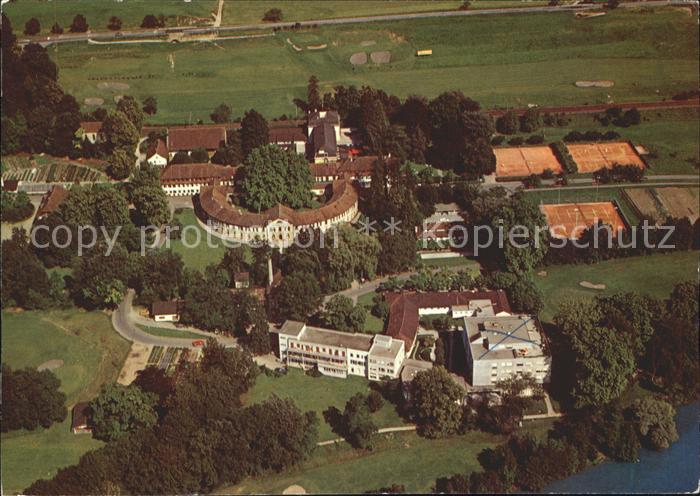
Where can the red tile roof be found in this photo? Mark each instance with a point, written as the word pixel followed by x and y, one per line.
pixel 214 201
pixel 286 134
pixel 197 174
pixel 403 308
pixel 189 138
pixel 91 126
pixel 158 147
pixel 51 201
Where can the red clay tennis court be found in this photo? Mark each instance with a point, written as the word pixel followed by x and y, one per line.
pixel 590 157
pixel 569 220
pixel 521 161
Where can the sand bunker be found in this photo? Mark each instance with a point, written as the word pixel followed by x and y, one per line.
pixel 368 43
pixel 294 489
pixel 113 86
pixel 595 84
pixel 50 365
pixel 381 57
pixel 117 98
pixel 316 47
pixel 358 58
pixel 590 285
pixel 94 101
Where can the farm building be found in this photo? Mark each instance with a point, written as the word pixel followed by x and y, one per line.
pixel 188 138
pixel 50 201
pixel 188 179
pixel 79 422
pixel 157 153
pixel 166 311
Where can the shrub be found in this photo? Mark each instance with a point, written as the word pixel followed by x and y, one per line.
pixel 32 27
pixel 562 153
pixel 374 401
pixel 56 28
pixel 535 139
pixel 517 141
pixel 273 15
pixel 498 140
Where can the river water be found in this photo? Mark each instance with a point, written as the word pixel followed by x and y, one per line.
pixel 676 469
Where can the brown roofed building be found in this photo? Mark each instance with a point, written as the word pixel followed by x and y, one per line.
pixel 406 308
pixel 166 311
pixel 157 153
pixel 91 130
pixel 50 201
pixel 189 138
pixel 79 421
pixel 289 138
pixel 188 179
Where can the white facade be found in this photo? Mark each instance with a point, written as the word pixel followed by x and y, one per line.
pixel 339 354
pixel 170 317
pixel 157 160
pixel 187 189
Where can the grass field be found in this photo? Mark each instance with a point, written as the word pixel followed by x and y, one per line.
pixel 170 333
pixel 533 58
pixel 572 195
pixel 462 262
pixel 317 394
pixel 92 354
pixel 372 324
pixel 98 12
pixel 204 253
pixel 654 275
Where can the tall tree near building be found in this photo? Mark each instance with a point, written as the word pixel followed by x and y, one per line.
pixel 120 409
pixel 435 401
pixel 254 132
pixel 120 163
pixel 357 422
pixel 313 97
pixel 221 114
pixel 296 297
pixel 119 131
pixel 132 110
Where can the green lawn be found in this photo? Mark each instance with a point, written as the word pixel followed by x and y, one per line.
pixel 98 12
pixel 533 58
pixel 317 394
pixel 171 333
pixel 469 264
pixel 573 195
pixel 196 255
pixel 372 324
pixel 654 275
pixel 92 354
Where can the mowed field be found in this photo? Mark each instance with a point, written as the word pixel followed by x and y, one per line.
pixel 92 353
pixel 98 12
pixel 528 58
pixel 654 275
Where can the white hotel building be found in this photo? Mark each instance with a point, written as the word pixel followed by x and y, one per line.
pixel 339 354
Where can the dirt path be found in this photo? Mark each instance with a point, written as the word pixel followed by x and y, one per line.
pixel 217 17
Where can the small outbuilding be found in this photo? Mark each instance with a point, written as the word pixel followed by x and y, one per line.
pixel 166 311
pixel 80 415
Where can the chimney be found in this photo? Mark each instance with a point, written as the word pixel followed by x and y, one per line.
pixel 270 274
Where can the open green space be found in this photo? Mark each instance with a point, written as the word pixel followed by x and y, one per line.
pixel 462 262
pixel 398 458
pixel 654 275
pixel 92 355
pixel 530 58
pixel 575 195
pixel 170 333
pixel 98 13
pixel 196 255
pixel 373 324
pixel 317 394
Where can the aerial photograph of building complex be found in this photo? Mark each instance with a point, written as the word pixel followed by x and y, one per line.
pixel 350 247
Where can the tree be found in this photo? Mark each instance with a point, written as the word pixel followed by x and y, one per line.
pixel 531 120
pixel 155 381
pixel 56 28
pixel 273 15
pixel 115 24
pixel 313 97
pixel 120 163
pixel 296 297
pixel 221 114
pixel 120 409
pixel 231 154
pixel 31 399
pixel 15 206
pixel 79 24
pixel 181 157
pixel 272 175
pixel 150 22
pixel 199 155
pixel 119 131
pixel 159 276
pixel 525 296
pixel 375 402
pixel 254 132
pixel 603 357
pixel 507 123
pixel 357 422
pixel 683 303
pixel 339 313
pixel 132 110
pixel 150 105
pixel 24 280
pixel 436 402
pixel 259 337
pixel 32 27
pixel 656 422
pixel 101 281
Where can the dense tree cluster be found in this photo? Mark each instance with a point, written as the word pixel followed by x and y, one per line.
pixel 120 409
pixel 205 437
pixel 31 399
pixel 37 116
pixel 340 313
pixel 15 206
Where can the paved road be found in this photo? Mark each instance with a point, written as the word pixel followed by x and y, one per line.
pixel 123 321
pixel 73 37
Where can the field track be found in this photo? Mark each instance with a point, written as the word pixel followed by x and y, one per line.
pixel 595 108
